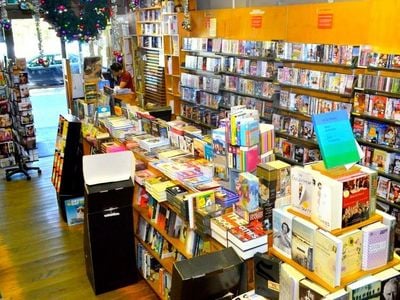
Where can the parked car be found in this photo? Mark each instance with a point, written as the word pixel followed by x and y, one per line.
pixel 51 74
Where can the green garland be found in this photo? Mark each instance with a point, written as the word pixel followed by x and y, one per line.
pixel 93 17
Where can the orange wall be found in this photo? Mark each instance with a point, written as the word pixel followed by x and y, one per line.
pixel 372 22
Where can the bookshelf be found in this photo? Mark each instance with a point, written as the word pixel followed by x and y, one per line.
pixel 376 122
pixel 149 50
pixel 173 33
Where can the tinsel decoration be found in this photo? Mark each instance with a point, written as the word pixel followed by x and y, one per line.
pixel 116 29
pixel 83 22
pixel 5 22
pixel 133 4
pixel 186 23
pixel 36 16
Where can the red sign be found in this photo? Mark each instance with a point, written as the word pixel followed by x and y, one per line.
pixel 256 21
pixel 325 21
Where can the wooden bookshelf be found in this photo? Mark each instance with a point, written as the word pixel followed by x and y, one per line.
pixel 155 285
pixel 375 218
pixel 174 241
pixel 167 263
pixel 344 281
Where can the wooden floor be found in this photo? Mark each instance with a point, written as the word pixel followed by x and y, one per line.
pixel 40 256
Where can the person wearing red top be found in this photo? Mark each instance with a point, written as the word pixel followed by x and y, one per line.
pixel 124 79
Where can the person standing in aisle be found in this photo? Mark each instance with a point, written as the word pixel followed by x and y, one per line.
pixel 124 79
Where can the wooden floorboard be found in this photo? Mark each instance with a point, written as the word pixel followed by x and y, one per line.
pixel 41 257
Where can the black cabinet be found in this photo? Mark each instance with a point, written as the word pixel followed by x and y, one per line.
pixel 67 176
pixel 108 236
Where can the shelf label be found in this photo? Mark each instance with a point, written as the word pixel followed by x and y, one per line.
pixel 256 21
pixel 325 20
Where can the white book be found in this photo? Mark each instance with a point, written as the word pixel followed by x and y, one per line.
pixel 282 231
pixel 389 221
pixel 352 247
pixel 302 188
pixel 326 207
pixel 375 245
pixel 328 257
pixel 303 234
pixel 289 280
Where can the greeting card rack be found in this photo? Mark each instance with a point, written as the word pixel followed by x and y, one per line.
pixel 23 130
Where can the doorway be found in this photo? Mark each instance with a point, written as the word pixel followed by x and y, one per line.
pixel 47 92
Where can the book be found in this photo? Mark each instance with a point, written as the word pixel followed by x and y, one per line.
pixel 247 189
pixel 247 240
pixel 74 209
pixel 335 138
pixel 267 275
pixel 282 231
pixel 328 257
pixel 394 192
pixel 326 206
pixel 311 290
pixel 351 256
pixel 303 233
pixel 390 222
pixel 289 282
pixel 302 188
pixel 341 294
pixel 383 187
pixel 220 226
pixel 389 280
pixel 375 245
pixel 366 288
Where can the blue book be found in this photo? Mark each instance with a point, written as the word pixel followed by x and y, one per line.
pixel 335 138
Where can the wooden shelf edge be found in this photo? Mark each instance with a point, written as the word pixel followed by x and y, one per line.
pixel 154 285
pixel 344 281
pixel 174 241
pixel 167 263
pixel 336 232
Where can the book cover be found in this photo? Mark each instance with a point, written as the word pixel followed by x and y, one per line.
pixel 356 198
pixel 366 288
pixel 302 188
pixel 311 290
pixel 307 130
pixel 359 104
pixel 328 257
pixel 303 233
pixel 282 231
pixel 375 245
pixel 249 236
pixel 267 275
pixel 326 206
pixel 74 209
pixel 335 138
pixel 390 280
pixel 394 192
pixel 383 187
pixel 289 282
pixel 351 256
pixel 341 294
pixel 390 221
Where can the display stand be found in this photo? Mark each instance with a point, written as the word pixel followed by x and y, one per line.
pixel 24 138
pixel 22 168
